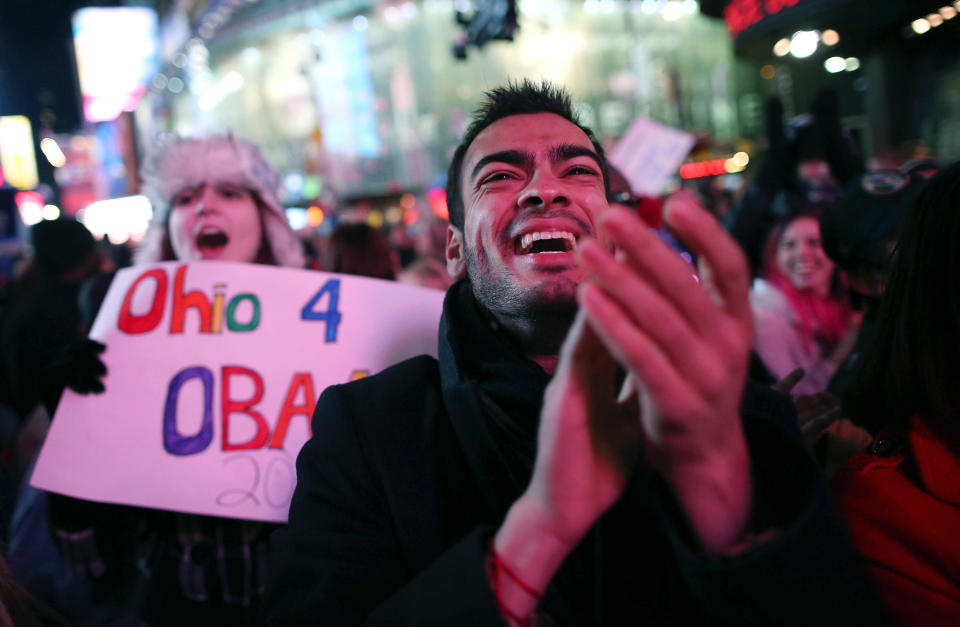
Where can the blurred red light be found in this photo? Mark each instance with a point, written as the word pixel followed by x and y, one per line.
pixel 410 216
pixel 28 198
pixel 437 197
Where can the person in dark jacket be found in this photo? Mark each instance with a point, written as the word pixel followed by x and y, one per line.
pixel 901 495
pixel 583 452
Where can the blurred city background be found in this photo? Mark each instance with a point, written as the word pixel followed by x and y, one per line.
pixel 359 103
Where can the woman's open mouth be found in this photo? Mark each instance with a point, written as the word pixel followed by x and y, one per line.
pixel 211 241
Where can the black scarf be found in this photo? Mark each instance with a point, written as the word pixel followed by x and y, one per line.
pixel 494 395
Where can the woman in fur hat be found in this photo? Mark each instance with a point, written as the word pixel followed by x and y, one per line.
pixel 213 198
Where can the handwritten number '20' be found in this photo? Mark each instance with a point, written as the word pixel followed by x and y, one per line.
pixel 332 315
pixel 238 496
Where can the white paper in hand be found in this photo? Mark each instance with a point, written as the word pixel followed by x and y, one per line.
pixel 649 153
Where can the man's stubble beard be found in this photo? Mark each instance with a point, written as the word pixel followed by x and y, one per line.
pixel 497 292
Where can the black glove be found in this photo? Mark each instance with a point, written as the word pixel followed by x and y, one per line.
pixel 77 367
pixel 80 368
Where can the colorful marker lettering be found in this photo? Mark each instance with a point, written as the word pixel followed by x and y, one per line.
pixel 331 316
pixel 231 406
pixel 173 441
pixel 133 324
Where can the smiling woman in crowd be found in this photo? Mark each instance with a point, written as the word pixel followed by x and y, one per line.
pixel 803 319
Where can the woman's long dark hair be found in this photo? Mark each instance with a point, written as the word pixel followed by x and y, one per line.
pixel 913 365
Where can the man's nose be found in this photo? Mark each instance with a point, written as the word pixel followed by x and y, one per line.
pixel 542 190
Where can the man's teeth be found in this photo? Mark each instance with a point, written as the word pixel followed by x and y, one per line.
pixel 526 241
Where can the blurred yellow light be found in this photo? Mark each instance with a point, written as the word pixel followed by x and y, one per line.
pixel 782 47
pixel 935 19
pixel 767 72
pixel 830 37
pixel 375 219
pixel 51 212
pixel 730 166
pixel 948 13
pixel 851 64
pixel 51 150
pixel 920 26
pixel 741 159
pixel 314 216
pixel 17 158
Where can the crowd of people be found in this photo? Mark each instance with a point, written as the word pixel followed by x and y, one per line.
pixel 671 410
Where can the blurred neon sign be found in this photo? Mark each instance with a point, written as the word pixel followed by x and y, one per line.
pixel 117 54
pixel 17 158
pixel 742 14
pixel 714 167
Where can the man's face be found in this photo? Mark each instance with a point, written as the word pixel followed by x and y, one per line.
pixel 215 221
pixel 532 188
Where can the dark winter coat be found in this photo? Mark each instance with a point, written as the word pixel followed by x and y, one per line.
pixel 410 471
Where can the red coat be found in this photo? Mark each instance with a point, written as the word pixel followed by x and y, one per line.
pixel 901 497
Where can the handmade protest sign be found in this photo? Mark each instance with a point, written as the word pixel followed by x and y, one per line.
pixel 649 153
pixel 214 369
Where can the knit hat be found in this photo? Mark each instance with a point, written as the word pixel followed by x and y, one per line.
pixel 178 163
pixel 60 245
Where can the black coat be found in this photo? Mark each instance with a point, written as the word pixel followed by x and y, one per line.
pixel 410 471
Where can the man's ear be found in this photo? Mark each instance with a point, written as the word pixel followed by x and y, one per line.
pixel 456 254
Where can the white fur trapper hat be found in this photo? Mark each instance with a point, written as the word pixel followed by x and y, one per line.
pixel 176 163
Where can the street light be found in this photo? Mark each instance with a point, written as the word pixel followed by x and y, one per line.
pixel 672 10
pixel 804 43
pixel 835 64
pixel 782 47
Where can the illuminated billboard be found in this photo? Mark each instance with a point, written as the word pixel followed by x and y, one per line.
pixel 117 55
pixel 18 161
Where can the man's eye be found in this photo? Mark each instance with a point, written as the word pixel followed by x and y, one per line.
pixel 183 199
pixel 579 169
pixel 496 176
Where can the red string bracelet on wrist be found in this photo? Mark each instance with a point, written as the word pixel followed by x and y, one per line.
pixel 499 565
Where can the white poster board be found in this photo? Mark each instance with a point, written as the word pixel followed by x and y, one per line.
pixel 213 372
pixel 649 153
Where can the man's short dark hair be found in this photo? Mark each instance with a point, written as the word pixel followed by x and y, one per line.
pixel 512 99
